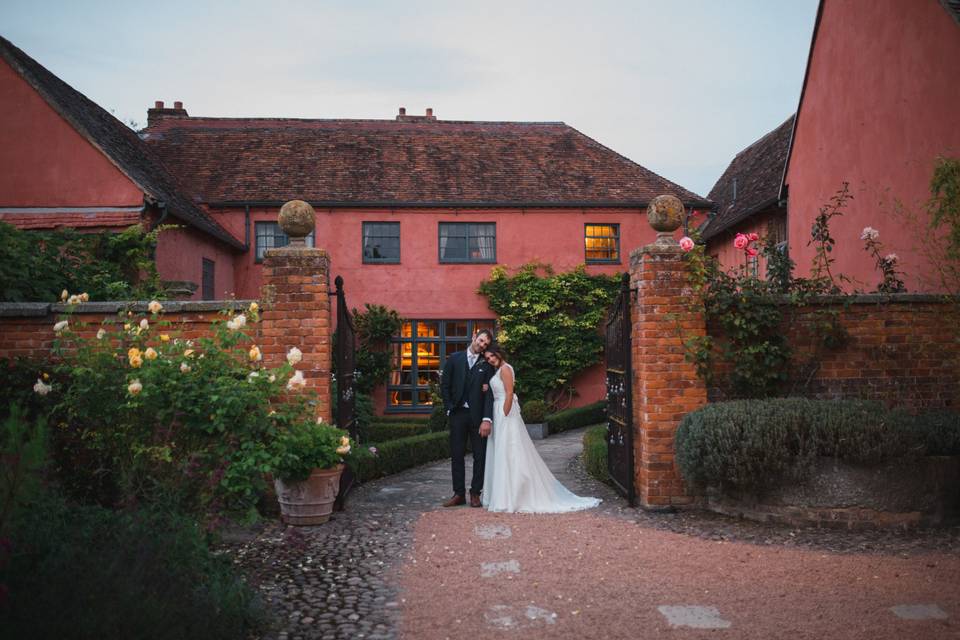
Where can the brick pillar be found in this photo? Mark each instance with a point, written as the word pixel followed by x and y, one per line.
pixel 665 386
pixel 296 304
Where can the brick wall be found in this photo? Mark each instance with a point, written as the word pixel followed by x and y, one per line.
pixel 902 350
pixel 26 329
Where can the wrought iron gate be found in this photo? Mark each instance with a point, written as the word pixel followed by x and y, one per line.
pixel 619 403
pixel 345 365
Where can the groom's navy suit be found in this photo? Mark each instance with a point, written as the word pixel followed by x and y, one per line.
pixel 461 385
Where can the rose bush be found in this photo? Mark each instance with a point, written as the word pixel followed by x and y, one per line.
pixel 141 414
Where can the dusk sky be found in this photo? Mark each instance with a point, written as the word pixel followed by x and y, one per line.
pixel 679 87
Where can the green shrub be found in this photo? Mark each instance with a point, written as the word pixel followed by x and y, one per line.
pixel 940 431
pixel 754 443
pixel 35 266
pixel 397 419
pixel 595 452
pixel 384 431
pixel 139 414
pixel 534 411
pixel 306 445
pixel 89 572
pixel 578 417
pixel 396 455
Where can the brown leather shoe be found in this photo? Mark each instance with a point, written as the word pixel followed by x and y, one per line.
pixel 475 500
pixel 455 501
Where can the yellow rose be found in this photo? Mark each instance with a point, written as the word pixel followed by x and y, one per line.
pixel 133 352
pixel 150 353
pixel 344 441
pixel 134 387
pixel 188 353
pixel 255 354
pixel 254 307
pixel 164 337
pixel 342 451
pixel 136 362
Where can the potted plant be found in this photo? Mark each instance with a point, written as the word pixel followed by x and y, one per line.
pixel 307 463
pixel 534 415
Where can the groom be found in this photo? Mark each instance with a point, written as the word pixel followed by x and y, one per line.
pixel 465 388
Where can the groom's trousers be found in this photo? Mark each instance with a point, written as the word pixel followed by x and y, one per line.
pixel 460 430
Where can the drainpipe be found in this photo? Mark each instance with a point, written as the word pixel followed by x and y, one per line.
pixel 163 213
pixel 246 228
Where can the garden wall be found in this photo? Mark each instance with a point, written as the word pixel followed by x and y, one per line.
pixel 26 328
pixel 901 349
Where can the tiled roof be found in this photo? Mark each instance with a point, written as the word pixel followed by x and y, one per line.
pixel 115 140
pixel 401 163
pixel 96 220
pixel 751 182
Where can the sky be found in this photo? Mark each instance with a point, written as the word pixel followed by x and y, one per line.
pixel 679 86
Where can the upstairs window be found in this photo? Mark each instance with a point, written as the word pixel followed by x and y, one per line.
pixel 602 243
pixel 269 236
pixel 468 242
pixel 381 242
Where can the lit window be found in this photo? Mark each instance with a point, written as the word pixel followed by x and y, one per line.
pixel 417 356
pixel 468 242
pixel 602 242
pixel 381 242
pixel 269 236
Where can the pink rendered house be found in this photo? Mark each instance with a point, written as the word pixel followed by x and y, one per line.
pixel 414 211
pixel 880 103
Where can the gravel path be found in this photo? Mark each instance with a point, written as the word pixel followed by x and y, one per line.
pixel 396 565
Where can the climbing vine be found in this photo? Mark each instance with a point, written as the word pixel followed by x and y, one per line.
pixel 549 322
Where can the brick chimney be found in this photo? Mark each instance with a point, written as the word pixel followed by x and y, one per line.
pixel 403 117
pixel 158 112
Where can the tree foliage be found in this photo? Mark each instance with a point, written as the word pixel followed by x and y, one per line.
pixel 35 266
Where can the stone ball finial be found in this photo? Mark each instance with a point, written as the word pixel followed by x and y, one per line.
pixel 665 213
pixel 296 218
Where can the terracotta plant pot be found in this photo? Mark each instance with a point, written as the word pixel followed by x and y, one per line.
pixel 309 501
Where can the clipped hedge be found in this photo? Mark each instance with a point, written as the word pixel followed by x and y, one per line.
pixel 940 431
pixel 395 419
pixel 394 456
pixel 750 444
pixel 577 417
pixel 378 432
pixel 595 452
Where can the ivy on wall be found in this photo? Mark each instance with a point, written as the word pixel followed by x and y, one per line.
pixel 549 323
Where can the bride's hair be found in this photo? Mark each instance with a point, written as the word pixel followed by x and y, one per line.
pixel 497 350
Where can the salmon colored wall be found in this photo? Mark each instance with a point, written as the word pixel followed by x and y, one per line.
pixel 180 254
pixel 420 287
pixel 731 258
pixel 46 163
pixel 879 106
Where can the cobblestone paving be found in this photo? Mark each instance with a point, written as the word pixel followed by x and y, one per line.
pixel 339 579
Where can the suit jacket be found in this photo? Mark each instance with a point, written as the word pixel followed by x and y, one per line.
pixel 459 384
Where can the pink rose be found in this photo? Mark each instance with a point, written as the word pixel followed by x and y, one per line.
pixel 686 243
pixel 741 241
pixel 751 251
pixel 754 237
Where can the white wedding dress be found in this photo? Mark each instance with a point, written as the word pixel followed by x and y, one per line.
pixel 515 478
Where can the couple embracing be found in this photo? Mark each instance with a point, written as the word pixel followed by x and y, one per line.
pixel 508 473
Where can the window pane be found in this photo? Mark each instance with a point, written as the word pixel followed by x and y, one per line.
pixel 456 329
pixel 467 242
pixel 381 241
pixel 427 328
pixel 422 350
pixel 602 242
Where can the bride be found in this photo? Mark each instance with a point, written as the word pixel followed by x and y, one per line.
pixel 516 478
